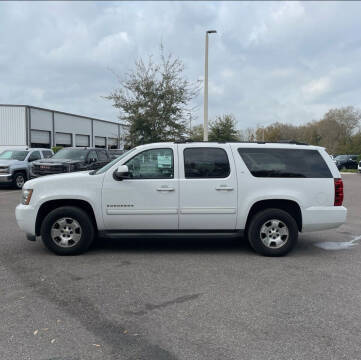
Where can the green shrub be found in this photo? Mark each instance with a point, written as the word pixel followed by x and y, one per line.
pixel 56 148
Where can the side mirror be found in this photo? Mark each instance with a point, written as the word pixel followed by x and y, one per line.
pixel 122 172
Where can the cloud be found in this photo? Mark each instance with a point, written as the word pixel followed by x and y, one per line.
pixel 317 87
pixel 269 61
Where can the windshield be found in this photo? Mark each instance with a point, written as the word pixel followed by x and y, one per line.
pixel 14 155
pixel 71 154
pixel 109 165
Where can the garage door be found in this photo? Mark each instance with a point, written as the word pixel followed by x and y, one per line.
pixel 63 139
pixel 100 141
pixel 112 143
pixel 40 137
pixel 81 140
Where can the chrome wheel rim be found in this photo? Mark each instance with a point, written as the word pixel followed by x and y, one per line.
pixel 20 181
pixel 274 234
pixel 66 232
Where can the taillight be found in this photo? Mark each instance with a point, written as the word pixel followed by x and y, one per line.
pixel 338 192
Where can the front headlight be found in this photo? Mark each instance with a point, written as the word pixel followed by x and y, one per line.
pixel 26 196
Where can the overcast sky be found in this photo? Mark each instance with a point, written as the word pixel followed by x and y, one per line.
pixel 270 61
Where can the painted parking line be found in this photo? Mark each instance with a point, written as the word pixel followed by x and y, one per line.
pixel 336 245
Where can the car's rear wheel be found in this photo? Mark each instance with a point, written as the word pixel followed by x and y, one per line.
pixel 19 180
pixel 67 230
pixel 273 232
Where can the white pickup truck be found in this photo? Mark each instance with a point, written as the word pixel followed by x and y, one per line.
pixel 269 192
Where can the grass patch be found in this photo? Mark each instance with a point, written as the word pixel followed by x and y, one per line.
pixel 349 170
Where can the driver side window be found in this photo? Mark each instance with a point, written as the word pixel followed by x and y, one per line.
pixel 35 155
pixel 92 157
pixel 152 164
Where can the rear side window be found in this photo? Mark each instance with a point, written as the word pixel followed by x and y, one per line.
pixel 47 154
pixel 93 155
pixel 35 155
pixel 284 163
pixel 102 155
pixel 202 163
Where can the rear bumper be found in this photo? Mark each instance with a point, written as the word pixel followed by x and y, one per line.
pixel 323 217
pixel 6 178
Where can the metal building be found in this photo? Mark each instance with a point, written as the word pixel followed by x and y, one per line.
pixel 31 126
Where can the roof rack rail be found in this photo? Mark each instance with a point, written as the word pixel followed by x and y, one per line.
pixel 183 141
pixel 292 142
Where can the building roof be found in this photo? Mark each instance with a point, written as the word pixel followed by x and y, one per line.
pixel 61 112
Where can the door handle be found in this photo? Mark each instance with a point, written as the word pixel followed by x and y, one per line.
pixel 165 188
pixel 224 188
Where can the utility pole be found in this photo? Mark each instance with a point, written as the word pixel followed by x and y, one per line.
pixel 205 123
pixel 190 124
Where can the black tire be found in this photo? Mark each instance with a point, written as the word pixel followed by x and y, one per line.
pixel 19 179
pixel 79 217
pixel 257 239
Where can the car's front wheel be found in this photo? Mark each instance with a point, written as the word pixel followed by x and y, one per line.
pixel 67 230
pixel 19 180
pixel 272 232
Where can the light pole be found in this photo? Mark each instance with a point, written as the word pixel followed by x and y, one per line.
pixel 205 124
pixel 190 124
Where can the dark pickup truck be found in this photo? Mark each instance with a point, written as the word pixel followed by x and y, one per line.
pixel 346 161
pixel 70 160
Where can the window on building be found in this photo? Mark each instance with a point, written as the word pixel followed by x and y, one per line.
pixel 40 138
pixel 82 140
pixel 205 163
pixel 99 142
pixel 63 139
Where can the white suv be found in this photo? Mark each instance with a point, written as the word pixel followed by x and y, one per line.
pixel 270 192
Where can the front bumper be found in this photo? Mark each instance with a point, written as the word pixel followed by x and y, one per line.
pixel 26 218
pixel 323 217
pixel 6 178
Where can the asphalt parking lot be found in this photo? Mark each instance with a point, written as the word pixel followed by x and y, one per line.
pixel 182 299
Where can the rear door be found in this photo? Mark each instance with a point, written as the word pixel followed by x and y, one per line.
pixel 208 187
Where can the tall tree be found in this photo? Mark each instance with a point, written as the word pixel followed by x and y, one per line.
pixel 338 131
pixel 153 101
pixel 197 133
pixel 223 128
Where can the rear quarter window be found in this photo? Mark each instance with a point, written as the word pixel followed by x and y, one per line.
pixel 285 163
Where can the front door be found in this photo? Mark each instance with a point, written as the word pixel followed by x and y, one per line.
pixel 148 200
pixel 208 187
